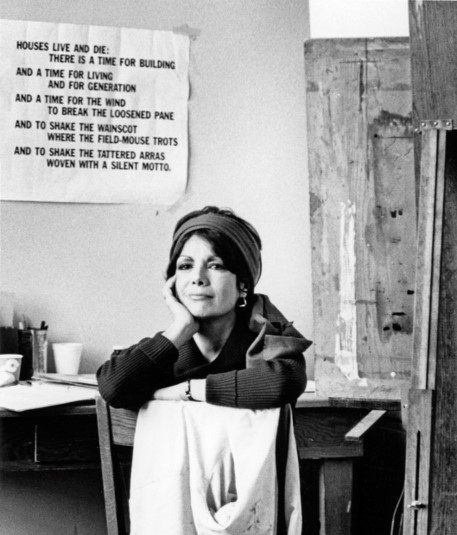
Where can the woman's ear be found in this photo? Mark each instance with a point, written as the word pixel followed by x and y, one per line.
pixel 242 301
pixel 243 289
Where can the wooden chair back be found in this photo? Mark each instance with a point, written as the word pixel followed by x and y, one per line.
pixel 116 429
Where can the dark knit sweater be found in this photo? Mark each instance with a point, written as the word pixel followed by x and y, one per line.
pixel 130 378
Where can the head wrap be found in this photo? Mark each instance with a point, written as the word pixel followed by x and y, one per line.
pixel 241 234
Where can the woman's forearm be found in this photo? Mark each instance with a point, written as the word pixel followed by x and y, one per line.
pixel 270 384
pixel 130 378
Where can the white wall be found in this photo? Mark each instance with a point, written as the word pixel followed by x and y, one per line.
pixel 94 272
pixel 358 18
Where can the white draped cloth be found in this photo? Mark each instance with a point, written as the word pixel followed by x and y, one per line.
pixel 201 469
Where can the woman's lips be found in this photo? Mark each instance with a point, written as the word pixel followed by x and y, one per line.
pixel 199 297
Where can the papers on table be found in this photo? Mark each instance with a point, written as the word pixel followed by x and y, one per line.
pixel 83 379
pixel 37 395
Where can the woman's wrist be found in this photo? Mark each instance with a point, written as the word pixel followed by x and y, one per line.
pixel 193 390
pixel 197 389
pixel 178 335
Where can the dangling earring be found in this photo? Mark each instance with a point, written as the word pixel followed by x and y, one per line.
pixel 243 303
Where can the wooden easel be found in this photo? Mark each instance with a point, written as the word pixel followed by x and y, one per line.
pixel 431 463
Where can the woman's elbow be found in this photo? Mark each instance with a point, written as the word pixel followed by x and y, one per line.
pixel 109 390
pixel 108 393
pixel 294 382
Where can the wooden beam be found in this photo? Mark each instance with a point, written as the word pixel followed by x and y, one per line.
pixel 365 424
pixel 417 500
pixel 433 27
pixel 428 263
pixel 335 492
pixel 433 33
pixel 108 468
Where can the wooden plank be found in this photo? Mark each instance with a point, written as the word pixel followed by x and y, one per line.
pixel 320 433
pixel 123 424
pixel 67 410
pixel 365 424
pixel 108 469
pixel 433 28
pixel 363 214
pixel 418 455
pixel 437 254
pixel 369 404
pixel 309 399
pixel 427 360
pixel 444 453
pixel 433 34
pixel 387 223
pixel 428 259
pixel 336 496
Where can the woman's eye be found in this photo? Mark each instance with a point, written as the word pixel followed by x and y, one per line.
pixel 216 265
pixel 184 266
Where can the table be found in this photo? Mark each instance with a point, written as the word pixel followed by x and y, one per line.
pixel 323 429
pixel 55 438
pixel 65 438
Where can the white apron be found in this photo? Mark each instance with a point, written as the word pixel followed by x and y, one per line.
pixel 203 469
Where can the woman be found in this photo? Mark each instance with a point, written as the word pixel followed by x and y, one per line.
pixel 225 345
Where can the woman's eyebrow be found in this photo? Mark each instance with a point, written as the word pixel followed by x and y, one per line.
pixel 210 258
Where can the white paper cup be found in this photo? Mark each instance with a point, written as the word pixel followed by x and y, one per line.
pixel 10 368
pixel 67 357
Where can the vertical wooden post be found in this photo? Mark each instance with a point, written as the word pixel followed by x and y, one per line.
pixel 433 31
pixel 431 468
pixel 428 262
pixel 421 396
pixel 114 526
pixel 335 489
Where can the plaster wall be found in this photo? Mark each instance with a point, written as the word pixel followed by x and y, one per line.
pixel 94 272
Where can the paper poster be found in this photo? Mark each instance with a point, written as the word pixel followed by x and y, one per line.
pixel 92 114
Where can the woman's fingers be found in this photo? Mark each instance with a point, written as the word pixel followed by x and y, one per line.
pixel 168 288
pixel 169 295
pixel 178 310
pixel 184 325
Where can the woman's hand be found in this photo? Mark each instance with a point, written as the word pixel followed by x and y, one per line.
pixel 171 393
pixel 184 325
pixel 178 392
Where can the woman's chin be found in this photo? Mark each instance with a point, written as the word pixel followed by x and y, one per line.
pixel 201 314
pixel 198 310
pixel 204 311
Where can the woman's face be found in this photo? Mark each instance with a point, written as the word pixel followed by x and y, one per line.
pixel 203 284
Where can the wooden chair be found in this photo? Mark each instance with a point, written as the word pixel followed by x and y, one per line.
pixel 116 429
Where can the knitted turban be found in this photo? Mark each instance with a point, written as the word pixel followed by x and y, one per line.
pixel 241 234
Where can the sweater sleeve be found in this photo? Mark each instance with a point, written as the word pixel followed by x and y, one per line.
pixel 130 378
pixel 271 383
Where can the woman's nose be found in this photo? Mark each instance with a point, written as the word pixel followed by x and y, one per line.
pixel 199 277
